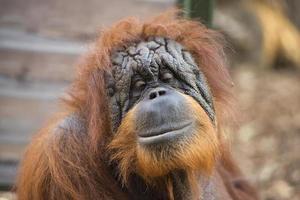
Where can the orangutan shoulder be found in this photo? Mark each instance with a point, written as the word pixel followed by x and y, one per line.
pixel 70 123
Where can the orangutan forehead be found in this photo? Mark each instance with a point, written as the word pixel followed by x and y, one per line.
pixel 147 58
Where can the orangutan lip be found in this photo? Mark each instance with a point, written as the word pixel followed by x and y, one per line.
pixel 166 131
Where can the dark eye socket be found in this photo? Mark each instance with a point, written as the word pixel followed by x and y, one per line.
pixel 166 77
pixel 111 91
pixel 139 84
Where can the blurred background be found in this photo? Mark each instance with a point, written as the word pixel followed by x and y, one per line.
pixel 41 41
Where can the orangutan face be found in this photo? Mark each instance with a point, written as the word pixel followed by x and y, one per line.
pixel 161 103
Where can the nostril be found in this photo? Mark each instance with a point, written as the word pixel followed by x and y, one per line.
pixel 157 93
pixel 161 92
pixel 152 95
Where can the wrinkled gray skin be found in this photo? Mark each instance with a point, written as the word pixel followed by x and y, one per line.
pixel 147 61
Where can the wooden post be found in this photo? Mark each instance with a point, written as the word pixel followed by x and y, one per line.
pixel 198 9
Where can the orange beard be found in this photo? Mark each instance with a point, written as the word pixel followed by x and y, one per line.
pixel 195 153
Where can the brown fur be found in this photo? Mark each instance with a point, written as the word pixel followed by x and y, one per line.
pixel 73 162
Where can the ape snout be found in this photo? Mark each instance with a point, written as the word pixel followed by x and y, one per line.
pixel 157 93
pixel 161 111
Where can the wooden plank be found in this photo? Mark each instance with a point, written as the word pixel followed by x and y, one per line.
pixel 8 171
pixel 32 66
pixel 22 41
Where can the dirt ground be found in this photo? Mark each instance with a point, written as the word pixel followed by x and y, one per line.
pixel 267 143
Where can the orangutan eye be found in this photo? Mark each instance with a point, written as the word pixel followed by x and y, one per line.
pixel 139 84
pixel 166 77
pixel 111 91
